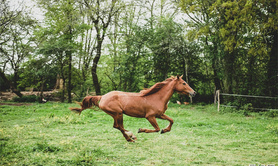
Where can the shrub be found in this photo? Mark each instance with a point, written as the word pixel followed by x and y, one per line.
pixel 272 113
pixel 29 98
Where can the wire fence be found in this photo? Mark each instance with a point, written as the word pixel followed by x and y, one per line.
pixel 217 100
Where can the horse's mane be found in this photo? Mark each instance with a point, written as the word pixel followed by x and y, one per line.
pixel 155 88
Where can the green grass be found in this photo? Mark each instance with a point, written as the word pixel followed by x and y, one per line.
pixel 49 134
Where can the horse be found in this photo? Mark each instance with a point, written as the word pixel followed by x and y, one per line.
pixel 148 103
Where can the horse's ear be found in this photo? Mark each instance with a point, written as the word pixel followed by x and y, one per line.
pixel 179 77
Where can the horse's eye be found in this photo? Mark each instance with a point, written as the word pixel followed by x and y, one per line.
pixel 184 83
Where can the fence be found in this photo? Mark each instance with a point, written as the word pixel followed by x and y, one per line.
pixel 217 99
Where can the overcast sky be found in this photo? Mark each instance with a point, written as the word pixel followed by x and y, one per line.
pixel 29 6
pixel 35 11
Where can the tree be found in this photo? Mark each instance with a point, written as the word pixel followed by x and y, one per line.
pixel 63 27
pixel 8 18
pixel 101 14
pixel 270 27
pixel 15 41
pixel 20 45
pixel 221 26
pixel 86 53
pixel 203 24
pixel 43 72
pixel 239 38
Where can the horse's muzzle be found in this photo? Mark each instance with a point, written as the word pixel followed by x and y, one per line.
pixel 192 94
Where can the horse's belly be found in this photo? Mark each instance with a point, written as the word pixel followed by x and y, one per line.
pixel 134 106
pixel 128 103
pixel 134 112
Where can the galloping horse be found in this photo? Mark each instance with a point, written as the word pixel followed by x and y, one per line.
pixel 150 104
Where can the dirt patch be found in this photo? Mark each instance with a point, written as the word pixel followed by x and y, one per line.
pixel 8 96
pixel 15 104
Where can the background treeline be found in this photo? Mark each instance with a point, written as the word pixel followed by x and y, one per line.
pixel 104 45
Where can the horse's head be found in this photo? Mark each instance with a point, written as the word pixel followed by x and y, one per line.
pixel 183 88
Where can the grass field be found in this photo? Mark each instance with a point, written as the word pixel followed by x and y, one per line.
pixel 49 134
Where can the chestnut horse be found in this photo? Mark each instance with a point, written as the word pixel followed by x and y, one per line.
pixel 150 104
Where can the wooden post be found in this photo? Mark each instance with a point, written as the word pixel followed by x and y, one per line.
pixel 215 97
pixel 87 94
pixel 218 98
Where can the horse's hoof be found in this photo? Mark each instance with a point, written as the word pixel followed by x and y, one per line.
pixel 162 131
pixel 139 130
pixel 131 140
pixel 131 135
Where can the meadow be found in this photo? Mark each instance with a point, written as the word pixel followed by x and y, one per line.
pixel 50 134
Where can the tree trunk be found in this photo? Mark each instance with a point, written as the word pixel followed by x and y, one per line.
pixel 63 86
pixel 94 69
pixel 101 24
pixel 63 92
pixel 272 71
pixel 214 62
pixel 69 54
pixel 12 87
pixel 216 79
pixel 229 70
pixel 16 77
pixel 41 91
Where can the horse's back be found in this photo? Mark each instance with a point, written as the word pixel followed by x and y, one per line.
pixel 128 103
pixel 115 95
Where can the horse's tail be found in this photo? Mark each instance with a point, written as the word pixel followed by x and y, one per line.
pixel 88 102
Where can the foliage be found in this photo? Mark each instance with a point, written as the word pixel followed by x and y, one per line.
pixel 16 40
pixel 28 99
pixel 233 38
pixel 59 36
pixel 43 74
pixel 4 85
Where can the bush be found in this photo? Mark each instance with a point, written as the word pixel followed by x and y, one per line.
pixel 29 98
pixel 272 113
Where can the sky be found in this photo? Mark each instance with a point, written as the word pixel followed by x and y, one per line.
pixel 30 6
pixel 36 12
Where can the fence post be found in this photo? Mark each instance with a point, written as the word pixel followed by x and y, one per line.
pixel 218 98
pixel 215 98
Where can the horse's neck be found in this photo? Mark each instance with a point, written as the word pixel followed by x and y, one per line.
pixel 165 93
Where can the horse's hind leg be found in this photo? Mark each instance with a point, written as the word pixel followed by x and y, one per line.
pixel 170 125
pixel 128 133
pixel 118 124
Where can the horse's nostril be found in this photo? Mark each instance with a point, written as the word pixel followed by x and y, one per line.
pixel 193 94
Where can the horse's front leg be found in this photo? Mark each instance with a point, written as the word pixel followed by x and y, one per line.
pixel 153 122
pixel 170 125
